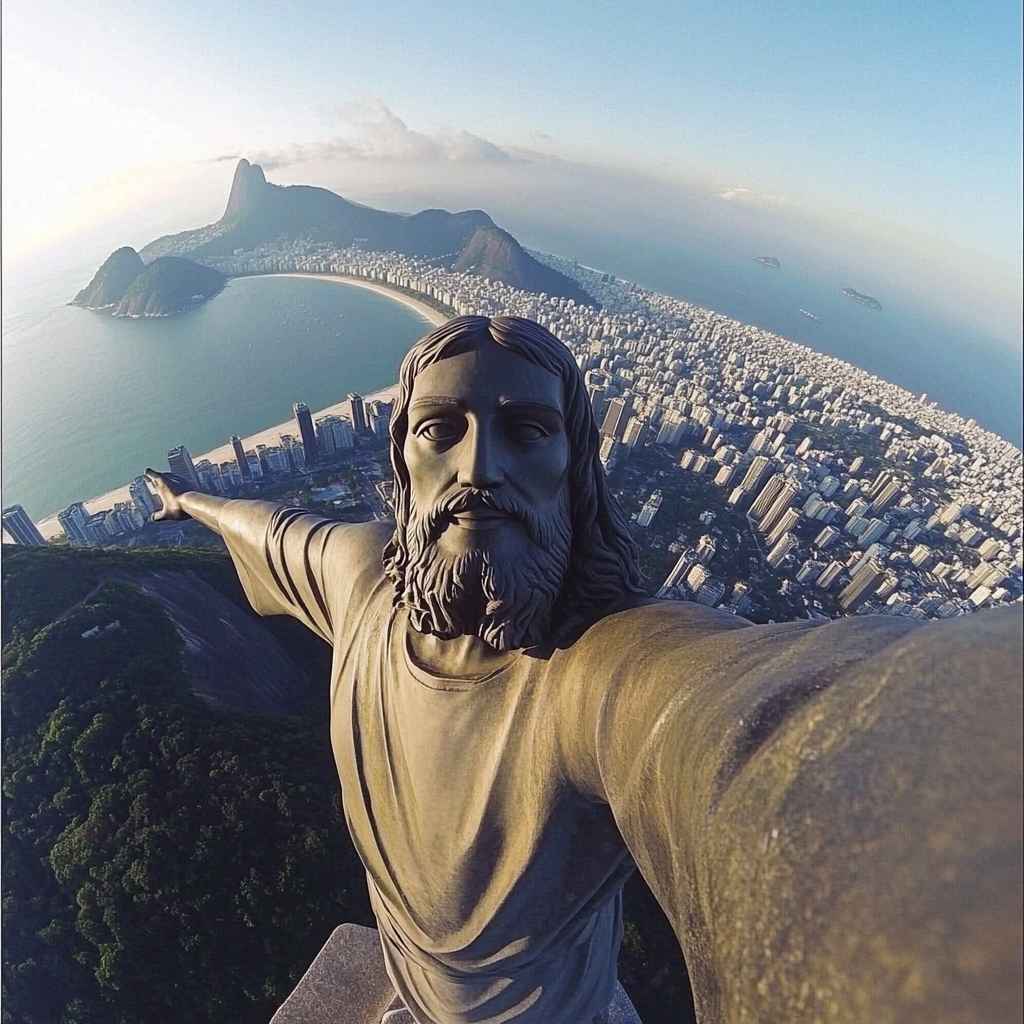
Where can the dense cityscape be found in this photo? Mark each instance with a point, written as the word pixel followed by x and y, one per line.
pixel 759 475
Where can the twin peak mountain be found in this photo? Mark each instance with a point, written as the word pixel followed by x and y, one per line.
pixel 169 274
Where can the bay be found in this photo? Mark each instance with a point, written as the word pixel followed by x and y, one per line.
pixel 89 401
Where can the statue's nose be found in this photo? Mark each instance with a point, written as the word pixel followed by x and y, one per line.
pixel 480 467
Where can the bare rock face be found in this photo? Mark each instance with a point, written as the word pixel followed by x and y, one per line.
pixel 247 190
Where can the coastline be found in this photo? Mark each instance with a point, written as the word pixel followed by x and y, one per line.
pixel 50 528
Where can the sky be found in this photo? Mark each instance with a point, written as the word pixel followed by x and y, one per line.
pixel 892 128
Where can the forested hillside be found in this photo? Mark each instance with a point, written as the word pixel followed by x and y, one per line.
pixel 168 853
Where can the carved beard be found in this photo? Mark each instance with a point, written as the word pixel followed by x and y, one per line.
pixel 506 602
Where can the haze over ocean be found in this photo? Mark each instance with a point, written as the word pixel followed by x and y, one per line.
pixel 89 401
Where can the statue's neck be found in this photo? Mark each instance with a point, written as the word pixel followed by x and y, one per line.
pixel 463 656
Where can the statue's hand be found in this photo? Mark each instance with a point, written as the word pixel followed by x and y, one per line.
pixel 167 487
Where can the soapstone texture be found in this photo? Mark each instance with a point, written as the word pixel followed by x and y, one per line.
pixel 829 814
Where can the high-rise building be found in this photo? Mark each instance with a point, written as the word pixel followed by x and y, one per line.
pixel 243 463
pixel 885 496
pixel 679 570
pixel 809 571
pixel 829 486
pixel 787 493
pixel 696 576
pixel 724 475
pixel 357 413
pixel 307 432
pixel 19 526
pixel 706 548
pixel 334 434
pixel 180 461
pixel 875 530
pixel 710 592
pixel 74 521
pixel 782 548
pixel 826 537
pixel 599 395
pixel 145 501
pixel 951 513
pixel 616 416
pixel 671 431
pixel 763 502
pixel 650 509
pixel 379 415
pixel 920 556
pixel 863 584
pixel 790 517
pixel 633 432
pixel 756 473
pixel 989 548
pixel 831 573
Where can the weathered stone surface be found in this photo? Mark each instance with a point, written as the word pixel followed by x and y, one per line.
pixel 347 984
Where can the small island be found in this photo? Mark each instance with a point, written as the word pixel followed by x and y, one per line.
pixel 126 286
pixel 864 300
pixel 768 261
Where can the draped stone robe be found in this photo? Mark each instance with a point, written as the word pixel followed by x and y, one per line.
pixel 829 815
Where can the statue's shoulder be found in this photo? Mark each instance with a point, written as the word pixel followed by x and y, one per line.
pixel 356 548
pixel 649 624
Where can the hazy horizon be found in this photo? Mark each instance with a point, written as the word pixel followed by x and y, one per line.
pixel 880 140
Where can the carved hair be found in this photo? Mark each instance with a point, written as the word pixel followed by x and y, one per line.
pixel 603 570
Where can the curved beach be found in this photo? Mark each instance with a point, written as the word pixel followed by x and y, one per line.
pixel 50 528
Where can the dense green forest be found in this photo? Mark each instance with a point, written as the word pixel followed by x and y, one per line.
pixel 166 856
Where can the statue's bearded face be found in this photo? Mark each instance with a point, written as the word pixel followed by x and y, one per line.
pixel 489 530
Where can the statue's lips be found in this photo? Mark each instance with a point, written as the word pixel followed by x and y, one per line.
pixel 481 519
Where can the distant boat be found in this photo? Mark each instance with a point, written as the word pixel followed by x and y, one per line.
pixel 768 261
pixel 810 316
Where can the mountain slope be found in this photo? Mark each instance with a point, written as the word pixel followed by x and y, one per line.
pixel 495 254
pixel 112 280
pixel 168 285
pixel 259 212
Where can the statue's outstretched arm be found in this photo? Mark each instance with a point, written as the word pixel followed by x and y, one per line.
pixel 830 816
pixel 289 561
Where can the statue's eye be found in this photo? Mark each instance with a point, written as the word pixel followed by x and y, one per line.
pixel 528 432
pixel 439 430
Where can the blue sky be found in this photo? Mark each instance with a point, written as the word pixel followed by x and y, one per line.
pixel 893 121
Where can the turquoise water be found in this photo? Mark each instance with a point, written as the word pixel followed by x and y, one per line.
pixel 90 401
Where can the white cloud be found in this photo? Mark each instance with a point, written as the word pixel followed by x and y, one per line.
pixel 740 194
pixel 371 131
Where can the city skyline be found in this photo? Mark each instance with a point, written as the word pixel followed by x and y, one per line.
pixel 885 504
pixel 894 135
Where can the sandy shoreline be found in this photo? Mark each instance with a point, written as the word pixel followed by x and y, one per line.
pixel 49 527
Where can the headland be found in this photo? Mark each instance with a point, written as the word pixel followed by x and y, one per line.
pixel 50 528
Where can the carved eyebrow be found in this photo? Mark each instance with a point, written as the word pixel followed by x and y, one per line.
pixel 438 400
pixel 504 403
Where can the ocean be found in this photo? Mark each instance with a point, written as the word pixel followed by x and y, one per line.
pixel 89 401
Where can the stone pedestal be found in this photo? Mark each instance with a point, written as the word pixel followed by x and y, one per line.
pixel 347 984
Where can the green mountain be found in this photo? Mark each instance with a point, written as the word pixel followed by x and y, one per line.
pixel 495 254
pixel 168 285
pixel 126 286
pixel 174 847
pixel 112 280
pixel 259 212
